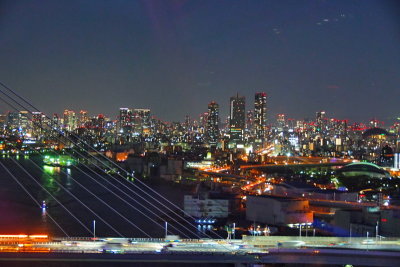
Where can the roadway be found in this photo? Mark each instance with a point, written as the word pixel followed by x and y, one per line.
pixel 258 249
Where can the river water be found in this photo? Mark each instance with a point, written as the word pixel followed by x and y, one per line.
pixel 20 214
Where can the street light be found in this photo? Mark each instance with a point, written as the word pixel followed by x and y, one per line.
pixel 300 230
pixel 350 232
pixel 94 228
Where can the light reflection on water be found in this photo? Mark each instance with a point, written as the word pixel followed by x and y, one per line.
pixel 48 180
pixel 21 204
pixel 51 169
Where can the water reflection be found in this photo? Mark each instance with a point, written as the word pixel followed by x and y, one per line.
pixel 49 183
pixel 47 176
pixel 68 183
pixel 51 169
pixel 44 212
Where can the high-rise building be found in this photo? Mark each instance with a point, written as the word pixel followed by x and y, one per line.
pixel 125 117
pixel 141 120
pixel 55 121
pixel 291 124
pixel 125 120
pixel 97 125
pixel 70 122
pixel 3 122
pixel 13 121
pixel 260 116
pixel 83 118
pixel 188 124
pixel 237 120
pixel 281 121
pixel 321 120
pixel 213 122
pixel 37 124
pixel 203 122
pixel 250 120
pixel 23 122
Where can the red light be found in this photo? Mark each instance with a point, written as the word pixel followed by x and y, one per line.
pixel 383 220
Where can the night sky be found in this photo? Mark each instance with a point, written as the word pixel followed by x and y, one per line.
pixel 174 57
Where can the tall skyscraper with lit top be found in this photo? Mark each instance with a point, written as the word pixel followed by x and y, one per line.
pixel 83 118
pixel 281 121
pixel 321 120
pixel 70 122
pixel 260 116
pixel 212 123
pixel 237 122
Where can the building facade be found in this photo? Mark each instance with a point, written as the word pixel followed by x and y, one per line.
pixel 237 120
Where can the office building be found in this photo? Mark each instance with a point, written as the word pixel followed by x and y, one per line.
pixel 212 123
pixel 260 116
pixel 237 120
pixel 70 122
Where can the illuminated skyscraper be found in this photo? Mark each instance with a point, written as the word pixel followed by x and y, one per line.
pixel 23 122
pixel 55 121
pixel 203 122
pixel 141 120
pixel 188 123
pixel 260 116
pixel 37 124
pixel 212 123
pixel 125 120
pixel 83 118
pixel 250 120
pixel 237 121
pixel 13 121
pixel 125 117
pixel 321 120
pixel 281 121
pixel 98 125
pixel 70 122
pixel 3 122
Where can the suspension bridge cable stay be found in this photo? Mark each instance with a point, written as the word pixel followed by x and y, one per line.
pixel 32 197
pixel 102 186
pixel 113 163
pixel 136 193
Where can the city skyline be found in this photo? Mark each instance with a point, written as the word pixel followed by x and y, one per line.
pixel 214 132
pixel 341 57
pixel 250 106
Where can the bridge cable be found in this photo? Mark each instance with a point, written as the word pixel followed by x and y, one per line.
pixel 70 193
pixel 112 193
pixel 89 192
pixel 93 179
pixel 108 161
pixel 32 197
pixel 50 194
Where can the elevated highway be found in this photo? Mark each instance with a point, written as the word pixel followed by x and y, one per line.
pixel 264 167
